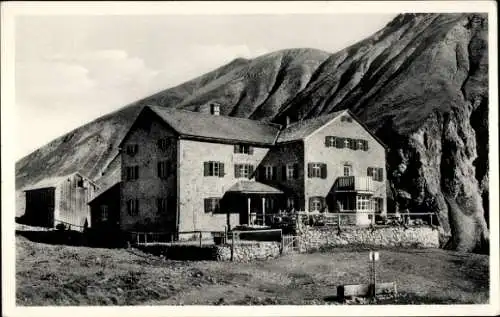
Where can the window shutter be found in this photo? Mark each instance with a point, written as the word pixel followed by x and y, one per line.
pixel 221 170
pixel 207 204
pixel 250 171
pixel 323 170
pixel 327 141
pixel 381 174
pixel 283 172
pixel 275 173
pixel 323 202
pixel 137 206
pixel 217 205
pixel 355 144
pixel 250 150
pixel 309 169
pixel 369 171
pixel 236 171
pixel 236 148
pixel 158 169
pixel 295 171
pixel 136 171
pixel 205 168
pixel 340 143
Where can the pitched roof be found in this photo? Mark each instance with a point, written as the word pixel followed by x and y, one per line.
pixel 253 187
pixel 301 129
pixel 206 126
pixel 103 191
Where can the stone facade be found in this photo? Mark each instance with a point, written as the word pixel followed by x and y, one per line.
pixel 194 187
pixel 148 187
pixel 315 238
pixel 335 158
pixel 249 251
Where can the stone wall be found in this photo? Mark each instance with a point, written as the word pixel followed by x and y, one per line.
pixel 243 252
pixel 249 251
pixel 315 238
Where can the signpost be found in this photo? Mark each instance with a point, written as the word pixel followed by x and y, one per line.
pixel 374 257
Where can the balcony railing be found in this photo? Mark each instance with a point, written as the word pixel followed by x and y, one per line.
pixel 354 183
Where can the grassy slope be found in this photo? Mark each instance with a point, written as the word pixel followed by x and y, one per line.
pixel 63 275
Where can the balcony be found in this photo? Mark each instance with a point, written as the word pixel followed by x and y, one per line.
pixel 354 184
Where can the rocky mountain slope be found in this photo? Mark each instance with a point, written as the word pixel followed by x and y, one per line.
pixel 421 83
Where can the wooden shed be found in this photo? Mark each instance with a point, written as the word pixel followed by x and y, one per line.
pixel 61 199
pixel 105 209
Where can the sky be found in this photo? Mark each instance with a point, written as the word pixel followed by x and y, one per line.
pixel 70 70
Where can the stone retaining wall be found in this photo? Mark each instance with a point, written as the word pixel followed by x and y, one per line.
pixel 249 251
pixel 315 238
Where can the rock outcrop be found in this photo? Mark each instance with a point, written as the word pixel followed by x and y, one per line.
pixel 421 83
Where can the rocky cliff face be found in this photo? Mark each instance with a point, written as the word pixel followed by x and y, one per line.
pixel 421 83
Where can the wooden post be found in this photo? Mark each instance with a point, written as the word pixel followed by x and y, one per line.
pixel 137 237
pixel 200 239
pixel 263 211
pixel 145 238
pixel 248 208
pixel 232 246
pixel 431 220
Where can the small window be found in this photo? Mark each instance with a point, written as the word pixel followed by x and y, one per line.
pixel 243 170
pixel 243 149
pixel 330 141
pixel 346 119
pixel 212 168
pixel 317 170
pixel 376 173
pixel 163 169
pixel 214 109
pixel 212 204
pixel 132 149
pixel 316 204
pixel 290 171
pixel 161 205
pixel 132 172
pixel 163 144
pixel 133 207
pixel 269 172
pixel 104 212
pixel 347 170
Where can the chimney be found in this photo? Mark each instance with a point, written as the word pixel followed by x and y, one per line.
pixel 215 109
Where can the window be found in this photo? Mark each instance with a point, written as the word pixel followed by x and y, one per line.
pixel 346 143
pixel 243 148
pixel 291 203
pixel 212 204
pixel 270 203
pixel 163 144
pixel 345 119
pixel 378 204
pixel 316 204
pixel 161 205
pixel 214 109
pixel 132 149
pixel 270 172
pixel 363 202
pixel 376 173
pixel 104 212
pixel 212 168
pixel 79 182
pixel 133 207
pixel 243 170
pixel 290 171
pixel 132 172
pixel 347 170
pixel 330 141
pixel 163 169
pixel 316 170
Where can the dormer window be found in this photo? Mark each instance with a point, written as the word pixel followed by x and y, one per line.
pixel 243 149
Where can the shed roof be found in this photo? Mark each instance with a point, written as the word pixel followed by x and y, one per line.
pixel 103 192
pixel 206 126
pixel 253 187
pixel 52 182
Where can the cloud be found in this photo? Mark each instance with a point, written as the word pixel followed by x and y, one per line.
pixel 89 84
